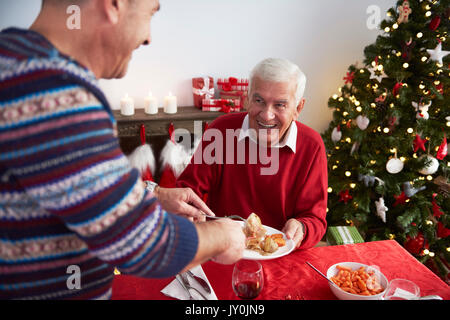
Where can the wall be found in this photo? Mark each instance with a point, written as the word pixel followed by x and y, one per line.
pixel 227 38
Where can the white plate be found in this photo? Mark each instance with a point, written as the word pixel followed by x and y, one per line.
pixel 282 251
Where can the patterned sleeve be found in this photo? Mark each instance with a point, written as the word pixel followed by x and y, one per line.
pixel 60 157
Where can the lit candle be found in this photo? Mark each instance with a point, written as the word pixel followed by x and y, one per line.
pixel 127 106
pixel 170 104
pixel 151 104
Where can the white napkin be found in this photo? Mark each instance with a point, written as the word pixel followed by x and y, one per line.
pixel 175 290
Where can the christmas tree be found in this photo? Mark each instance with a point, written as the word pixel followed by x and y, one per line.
pixel 387 143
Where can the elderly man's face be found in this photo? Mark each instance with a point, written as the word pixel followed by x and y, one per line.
pixel 133 31
pixel 272 108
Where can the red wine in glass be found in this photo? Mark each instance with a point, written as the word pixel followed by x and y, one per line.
pixel 247 289
pixel 247 279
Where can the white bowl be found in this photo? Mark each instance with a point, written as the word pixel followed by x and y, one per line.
pixel 343 295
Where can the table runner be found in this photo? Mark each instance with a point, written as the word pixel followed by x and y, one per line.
pixel 291 277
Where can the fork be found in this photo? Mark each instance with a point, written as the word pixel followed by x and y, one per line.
pixel 229 217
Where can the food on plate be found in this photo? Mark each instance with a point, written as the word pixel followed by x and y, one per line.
pixel 253 227
pixel 257 240
pixel 358 281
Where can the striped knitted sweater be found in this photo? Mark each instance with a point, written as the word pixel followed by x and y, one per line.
pixel 69 200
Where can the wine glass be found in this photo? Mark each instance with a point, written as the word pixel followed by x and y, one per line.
pixel 401 289
pixel 247 279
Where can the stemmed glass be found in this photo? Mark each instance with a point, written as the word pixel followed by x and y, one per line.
pixel 402 289
pixel 247 279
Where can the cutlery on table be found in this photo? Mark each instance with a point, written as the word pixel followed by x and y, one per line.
pixel 200 281
pixel 183 280
pixel 309 264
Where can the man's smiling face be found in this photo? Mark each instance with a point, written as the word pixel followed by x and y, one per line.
pixel 272 108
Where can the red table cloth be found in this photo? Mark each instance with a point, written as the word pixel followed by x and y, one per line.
pixel 290 276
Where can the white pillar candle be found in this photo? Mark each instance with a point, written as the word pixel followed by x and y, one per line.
pixel 127 106
pixel 170 104
pixel 151 104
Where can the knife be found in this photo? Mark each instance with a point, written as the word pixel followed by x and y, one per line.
pixel 188 286
pixel 200 281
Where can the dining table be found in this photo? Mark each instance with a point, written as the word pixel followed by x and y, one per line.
pixel 291 278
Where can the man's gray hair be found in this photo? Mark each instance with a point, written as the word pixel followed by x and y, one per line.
pixel 280 70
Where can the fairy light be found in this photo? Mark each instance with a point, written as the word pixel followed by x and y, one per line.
pixel 402 159
pixel 348 140
pixel 348 173
pixel 387 29
pixel 421 86
pixel 406 65
pixel 359 109
pixel 395 26
pixel 352 185
pixel 424 59
pixel 410 130
pixel 386 130
pixel 419 35
pixel 431 254
pixel 334 167
pixel 335 96
pixel 330 190
pixel 429 178
pixel 428 13
pixel 373 161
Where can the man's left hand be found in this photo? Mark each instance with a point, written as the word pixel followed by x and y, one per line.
pixel 294 231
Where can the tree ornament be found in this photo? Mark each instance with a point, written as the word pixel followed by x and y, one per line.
pixel 410 191
pixel 396 88
pixel 437 54
pixel 394 165
pixel 355 147
pixel 369 181
pixel 443 186
pixel 443 149
pixel 403 12
pixel 407 48
pixel 431 167
pixel 419 143
pixel 442 231
pixel 336 135
pixel 362 122
pixel 435 22
pixel 417 244
pixel 381 209
pixel 422 109
pixel 375 73
pixel 344 196
pixel 400 199
pixel 143 159
pixel 349 77
pixel 435 207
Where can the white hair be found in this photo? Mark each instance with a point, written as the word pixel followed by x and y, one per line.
pixel 280 70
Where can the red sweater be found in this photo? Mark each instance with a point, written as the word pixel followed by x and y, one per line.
pixel 298 190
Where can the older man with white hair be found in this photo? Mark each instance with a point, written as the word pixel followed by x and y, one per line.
pixel 292 198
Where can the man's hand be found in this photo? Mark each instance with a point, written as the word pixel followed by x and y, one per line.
pixel 184 202
pixel 222 241
pixel 294 230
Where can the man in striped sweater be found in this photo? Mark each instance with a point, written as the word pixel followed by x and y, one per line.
pixel 69 199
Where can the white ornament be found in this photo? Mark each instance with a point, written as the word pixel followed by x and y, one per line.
pixel 336 135
pixel 422 110
pixel 373 74
pixel 381 209
pixel 394 166
pixel 362 122
pixel 432 166
pixel 437 54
